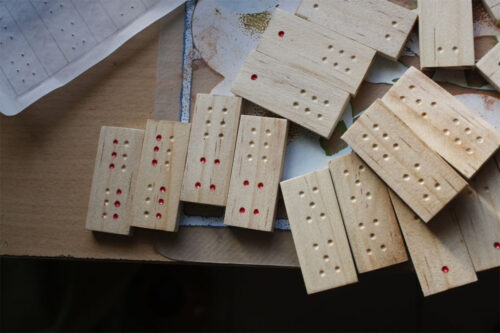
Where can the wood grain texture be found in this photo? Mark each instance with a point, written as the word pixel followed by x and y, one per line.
pixel 318 232
pixel 446 34
pixel 314 49
pixel 157 195
pixel 439 119
pixel 418 175
pixel 113 183
pixel 301 97
pixel 379 24
pixel 437 250
pixel 211 149
pixel 489 65
pixel 493 8
pixel 257 167
pixel 477 211
pixel 368 215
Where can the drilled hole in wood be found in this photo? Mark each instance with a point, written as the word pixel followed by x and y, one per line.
pixel 440 49
pixel 295 104
pixel 454 49
pixel 479 139
pixel 361 225
pixel 254 77
pixel 308 219
pixel 330 242
pixel 425 197
pixel 357 182
pixel 158 137
pixel 158 216
pixel 456 121
pixel 154 162
pixel 315 189
pixel 416 166
pixel 368 195
pixel 496 245
pixel 315 5
pixel 388 37
pixel 266 145
pixel 221 135
pixel 361 168
pixel 383 248
pixel 445 269
pixel 353 198
pixel 111 166
pixel 375 221
pixel 469 151
pixel 322 216
pixel 437 186
pixel 424 114
pixel 406 177
pixel 249 157
pixel 212 187
pixel 418 101
pixel 365 136
pixel 197 185
pixel 301 194
pixel 114 154
pixel 395 146
pixel 312 204
pixel 242 210
pixel 353 57
pixel 337 269
pixel 421 182
pixel 335 64
pixel 106 202
pixel 255 212
pixel 324 59
pixel 341 51
pixel 302 91
pixel 446 131
pixel 330 47
pixel 320 116
pixel 156 149
pixel 104 215
pixel 171 138
pixel 467 131
pixel 322 273
pixel 346 172
pixel 217 161
pixel 223 123
pixel 124 156
pixel 106 191
pixel 169 151
pixel 369 251
pixel 253 130
pixel 385 136
pixel 203 160
pixel 163 189
pixel 385 157
pixel 115 216
pixel 150 187
pixel 314 98
pixel 307 110
pixel 458 141
pixel 375 127
pixel 347 70
pixel 316 246
pixel 375 146
pixel 326 102
pixel 394 23
pixel 326 258
pixel 372 235
pixel 268 132
pixel 208 122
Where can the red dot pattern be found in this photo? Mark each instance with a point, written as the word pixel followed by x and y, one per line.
pixel 242 210
pixel 197 185
pixel 156 149
pixel 445 269
pixel 254 77
pixel 163 189
pixel 161 202
pixel 115 216
pixel 217 161
pixel 246 183
pixel 154 162
pixel 158 216
pixel 203 160
pixel 212 187
pixel 158 137
pixel 117 203
pixel 281 34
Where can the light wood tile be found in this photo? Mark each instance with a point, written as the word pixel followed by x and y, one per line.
pixel 489 65
pixel 113 183
pixel 439 119
pixel 157 197
pixel 418 175
pixel 211 149
pixel 257 167
pixel 493 8
pixel 437 250
pixel 379 24
pixel 318 233
pixel 368 215
pixel 445 33
pixel 314 49
pixel 301 97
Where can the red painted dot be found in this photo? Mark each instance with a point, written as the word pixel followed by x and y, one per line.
pixel 156 149
pixel 163 189
pixel 115 142
pixel 281 33
pixel 111 166
pixel 254 77
pixel 158 137
pixel 114 154
pixel 497 245
pixel 255 212
pixel 115 216
pixel 445 269
pixel 261 185
pixel 161 202
pixel 203 160
pixel 246 183
pixel 117 203
pixel 158 216
pixel 154 162
pixel 242 210
pixel 118 191
pixel 197 185
pixel 217 161
pixel 212 187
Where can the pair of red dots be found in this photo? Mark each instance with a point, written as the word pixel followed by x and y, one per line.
pixel 203 160
pixel 198 186
pixel 243 210
pixel 247 183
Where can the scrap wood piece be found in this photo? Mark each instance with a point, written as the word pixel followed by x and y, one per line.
pixel 440 120
pixel 417 174
pixel 489 65
pixel 493 8
pixel 318 233
pixel 368 215
pixel 113 183
pixel 257 167
pixel 316 50
pixel 437 249
pixel 301 97
pixel 477 210
pixel 156 200
pixel 211 149
pixel 379 24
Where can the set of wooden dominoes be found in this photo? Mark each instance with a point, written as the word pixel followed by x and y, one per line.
pixel 415 150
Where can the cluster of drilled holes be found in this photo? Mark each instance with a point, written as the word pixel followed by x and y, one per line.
pixel 266 145
pixel 246 183
pixel 116 203
pixel 114 154
pixel 156 149
pixel 335 63
pixel 440 49
pixel 212 187
pixel 161 200
pixel 314 99
pixel 372 235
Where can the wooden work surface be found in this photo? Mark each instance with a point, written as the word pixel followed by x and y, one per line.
pixel 47 155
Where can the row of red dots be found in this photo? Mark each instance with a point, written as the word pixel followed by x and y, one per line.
pixel 203 160
pixel 243 210
pixel 247 183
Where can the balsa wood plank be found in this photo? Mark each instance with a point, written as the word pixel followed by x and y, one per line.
pixel 318 233
pixel 417 174
pixel 489 65
pixel 368 215
pixel 439 119
pixel 157 195
pixel 301 97
pixel 113 183
pixel 437 250
pixel 379 24
pixel 257 167
pixel 477 210
pixel 316 50
pixel 493 8
pixel 211 149
pixel 445 33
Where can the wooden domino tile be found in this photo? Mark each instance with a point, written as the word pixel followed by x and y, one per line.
pixel 379 24
pixel 318 233
pixel 335 58
pixel 117 161
pixel 477 210
pixel 437 250
pixel 301 97
pixel 157 195
pixel 445 33
pixel 418 175
pixel 257 167
pixel 439 119
pixel 489 66
pixel 211 149
pixel 493 8
pixel 368 215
